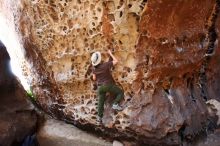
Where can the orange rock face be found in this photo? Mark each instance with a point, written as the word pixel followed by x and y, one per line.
pixel 163 69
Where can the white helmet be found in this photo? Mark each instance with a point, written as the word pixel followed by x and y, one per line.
pixel 96 58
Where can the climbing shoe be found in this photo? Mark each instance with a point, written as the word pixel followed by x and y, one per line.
pixel 99 120
pixel 116 107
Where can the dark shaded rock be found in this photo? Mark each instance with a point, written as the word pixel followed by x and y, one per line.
pixel 6 76
pixel 213 70
pixel 17 116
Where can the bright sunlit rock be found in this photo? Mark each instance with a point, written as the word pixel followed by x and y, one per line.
pixel 17 72
pixel 9 39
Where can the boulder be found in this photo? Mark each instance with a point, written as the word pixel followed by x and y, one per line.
pixel 58 133
pixel 17 116
pixel 168 53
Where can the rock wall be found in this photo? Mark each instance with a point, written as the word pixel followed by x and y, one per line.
pixel 6 77
pixel 17 116
pixel 58 133
pixel 166 65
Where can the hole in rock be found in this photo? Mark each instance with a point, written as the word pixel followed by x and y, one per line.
pixel 167 91
pixel 92 46
pixel 117 122
pixel 46 1
pixel 92 7
pixel 86 44
pixel 96 18
pixel 90 32
pixel 129 5
pixel 64 28
pixel 121 2
pixel 121 14
pixel 111 17
pixel 93 117
pixel 99 9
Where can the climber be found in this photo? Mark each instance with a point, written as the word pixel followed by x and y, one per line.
pixel 101 73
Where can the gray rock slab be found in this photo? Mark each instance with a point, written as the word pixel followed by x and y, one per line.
pixel 59 133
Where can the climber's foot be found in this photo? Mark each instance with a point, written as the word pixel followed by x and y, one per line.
pixel 116 107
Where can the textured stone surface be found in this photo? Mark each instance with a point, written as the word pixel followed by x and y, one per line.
pixel 57 133
pixel 6 77
pixel 17 118
pixel 212 140
pixel 214 109
pixel 117 143
pixel 161 45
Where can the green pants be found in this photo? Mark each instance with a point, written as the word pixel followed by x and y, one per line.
pixel 111 88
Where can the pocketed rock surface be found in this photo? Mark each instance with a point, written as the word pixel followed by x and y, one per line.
pixel 168 53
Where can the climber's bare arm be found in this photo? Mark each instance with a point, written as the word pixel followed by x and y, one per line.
pixel 94 77
pixel 115 60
